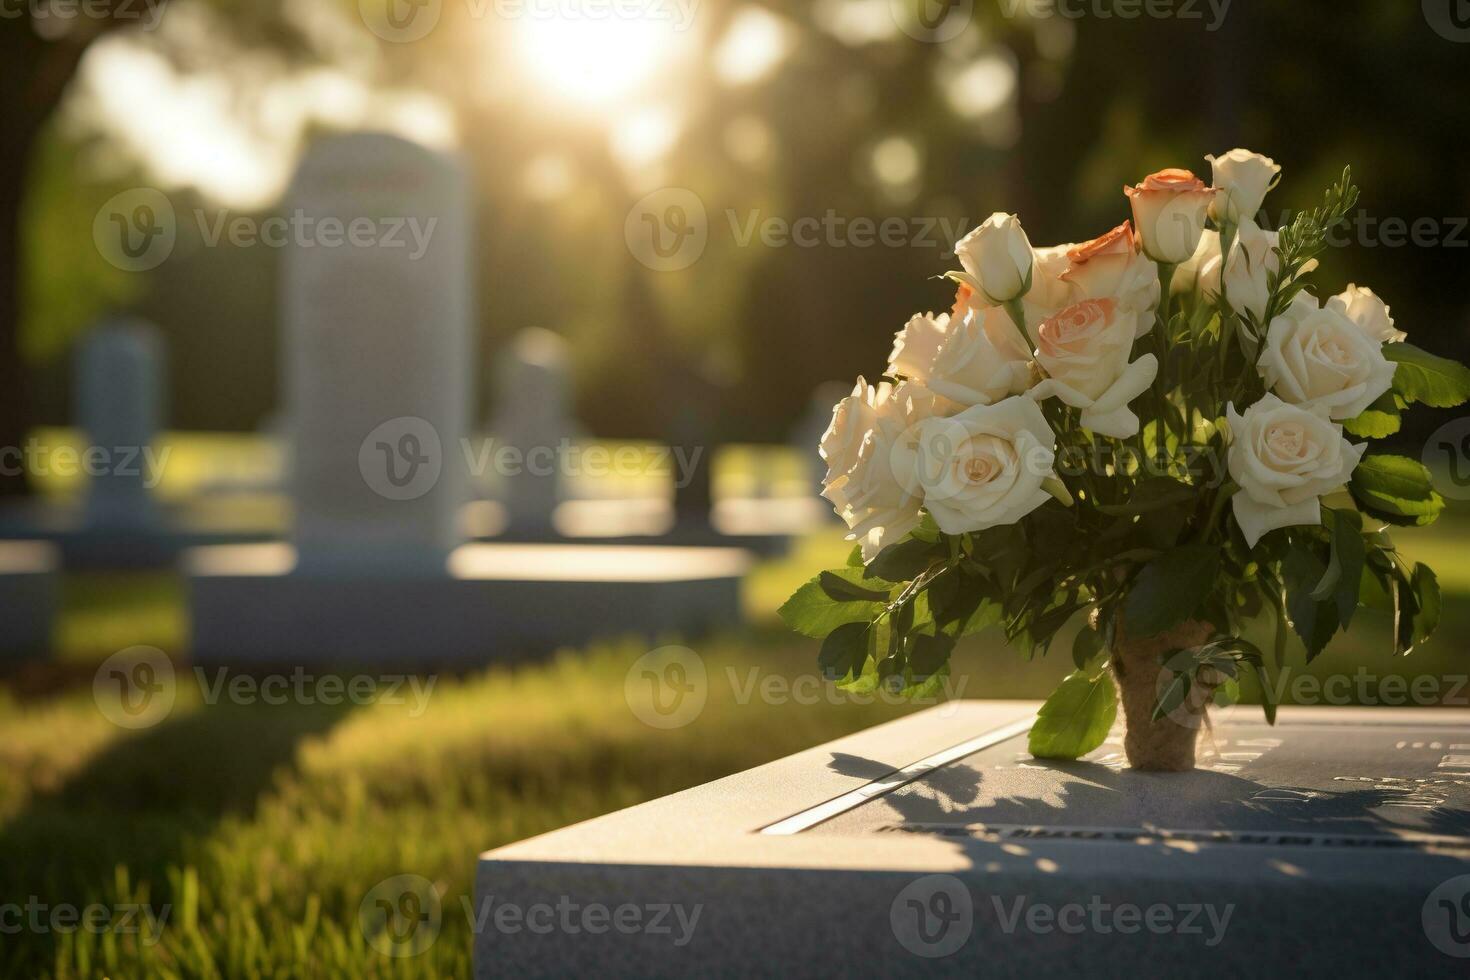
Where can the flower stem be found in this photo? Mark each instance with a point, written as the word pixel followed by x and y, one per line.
pixel 1017 313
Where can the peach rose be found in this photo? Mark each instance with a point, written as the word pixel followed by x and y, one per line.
pixel 1084 350
pixel 1112 267
pixel 1169 210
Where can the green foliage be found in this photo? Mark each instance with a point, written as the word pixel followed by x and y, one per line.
pixel 1396 489
pixel 1378 420
pixel 834 599
pixel 1224 655
pixel 1425 378
pixel 1076 718
pixel 1304 238
pixel 1171 588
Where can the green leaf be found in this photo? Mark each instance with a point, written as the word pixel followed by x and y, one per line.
pixel 814 611
pixel 1170 588
pixel 1378 420
pixel 905 560
pixel 927 653
pixel 1173 695
pixel 1395 489
pixel 1348 556
pixel 960 605
pixel 1426 594
pixel 1426 378
pixel 1087 644
pixel 1315 621
pixel 844 651
pixel 1155 493
pixel 842 585
pixel 855 557
pixel 1268 693
pixel 1076 718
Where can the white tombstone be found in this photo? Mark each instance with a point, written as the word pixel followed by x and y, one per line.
pixel 119 371
pixel 378 354
pixel 378 359
pixel 533 417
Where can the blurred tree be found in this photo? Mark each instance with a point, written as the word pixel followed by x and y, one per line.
pixel 1045 115
pixel 38 58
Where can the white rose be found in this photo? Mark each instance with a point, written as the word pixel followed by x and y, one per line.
pixel 1084 350
pixel 917 344
pixel 1317 357
pixel 1284 459
pixel 1362 306
pixel 997 256
pixel 869 431
pixel 1050 290
pixel 976 360
pixel 1188 274
pixel 985 466
pixel 1246 276
pixel 1243 178
pixel 1169 214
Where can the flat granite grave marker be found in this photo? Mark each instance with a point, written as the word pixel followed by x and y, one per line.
pixel 378 357
pixel 1336 843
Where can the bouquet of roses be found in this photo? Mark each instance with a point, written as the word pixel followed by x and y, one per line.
pixel 1161 432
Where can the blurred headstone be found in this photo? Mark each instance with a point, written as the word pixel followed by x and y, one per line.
pixel 533 417
pixel 378 357
pixel 695 433
pixel 120 385
pixel 378 352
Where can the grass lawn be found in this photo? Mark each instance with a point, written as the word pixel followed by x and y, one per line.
pixel 261 828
